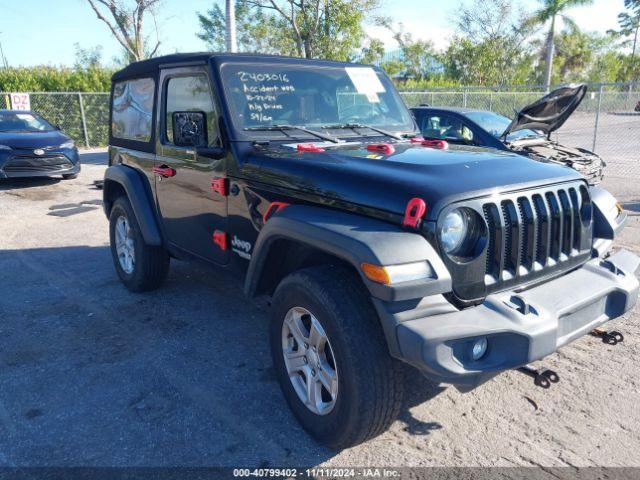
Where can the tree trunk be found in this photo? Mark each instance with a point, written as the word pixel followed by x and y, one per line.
pixel 550 51
pixel 230 25
pixel 308 48
pixel 635 43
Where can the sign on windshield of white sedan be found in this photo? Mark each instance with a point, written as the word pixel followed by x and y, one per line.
pixel 20 101
pixel 365 80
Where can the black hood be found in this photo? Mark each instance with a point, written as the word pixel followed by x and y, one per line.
pixel 387 182
pixel 53 138
pixel 550 112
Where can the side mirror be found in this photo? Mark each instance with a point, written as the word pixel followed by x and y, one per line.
pixel 189 129
pixel 57 127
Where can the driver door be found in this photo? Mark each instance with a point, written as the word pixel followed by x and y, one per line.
pixel 191 211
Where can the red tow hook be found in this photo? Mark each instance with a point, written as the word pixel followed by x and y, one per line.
pixel 437 144
pixel 416 209
pixel 385 148
pixel 274 207
pixel 309 147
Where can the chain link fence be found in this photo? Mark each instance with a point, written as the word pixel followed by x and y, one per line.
pixel 606 122
pixel 82 116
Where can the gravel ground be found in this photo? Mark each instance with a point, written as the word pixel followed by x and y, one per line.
pixel 92 375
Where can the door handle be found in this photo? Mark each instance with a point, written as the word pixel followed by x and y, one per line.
pixel 164 171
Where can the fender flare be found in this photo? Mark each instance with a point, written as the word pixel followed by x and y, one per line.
pixel 356 240
pixel 139 196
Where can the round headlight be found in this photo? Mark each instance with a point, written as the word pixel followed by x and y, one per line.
pixel 454 231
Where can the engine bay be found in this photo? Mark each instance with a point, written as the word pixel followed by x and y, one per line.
pixel 585 162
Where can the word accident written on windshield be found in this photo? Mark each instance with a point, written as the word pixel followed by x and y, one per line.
pixel 262 90
pixel 265 96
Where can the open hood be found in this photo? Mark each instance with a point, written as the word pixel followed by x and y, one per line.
pixel 550 112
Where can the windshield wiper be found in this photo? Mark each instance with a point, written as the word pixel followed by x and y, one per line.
pixel 283 128
pixel 359 125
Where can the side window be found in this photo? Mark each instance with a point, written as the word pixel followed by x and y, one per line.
pixel 446 127
pixel 190 94
pixel 132 109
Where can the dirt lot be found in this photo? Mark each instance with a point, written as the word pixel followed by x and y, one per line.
pixel 92 375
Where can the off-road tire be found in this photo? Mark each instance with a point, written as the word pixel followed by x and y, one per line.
pixel 151 262
pixel 370 382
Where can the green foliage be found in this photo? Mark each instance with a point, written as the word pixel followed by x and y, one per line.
pixel 342 32
pixel 373 53
pixel 90 57
pixel 419 57
pixel 629 22
pixel 490 48
pixel 257 30
pixel 327 29
pixel 55 79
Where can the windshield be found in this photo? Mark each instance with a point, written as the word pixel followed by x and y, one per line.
pixel 496 125
pixel 23 122
pixel 262 96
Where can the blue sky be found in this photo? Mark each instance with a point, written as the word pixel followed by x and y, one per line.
pixel 36 32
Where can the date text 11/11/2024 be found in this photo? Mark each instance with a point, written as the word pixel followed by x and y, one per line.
pixel 317 472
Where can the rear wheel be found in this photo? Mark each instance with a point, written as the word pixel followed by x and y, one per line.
pixel 141 267
pixel 331 357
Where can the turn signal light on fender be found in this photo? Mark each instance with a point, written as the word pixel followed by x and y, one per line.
pixel 396 274
pixel 376 273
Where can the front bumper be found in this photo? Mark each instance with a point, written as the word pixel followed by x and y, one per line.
pixel 520 327
pixel 19 164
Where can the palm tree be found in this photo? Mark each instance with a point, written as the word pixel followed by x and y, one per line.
pixel 230 24
pixel 630 22
pixel 549 12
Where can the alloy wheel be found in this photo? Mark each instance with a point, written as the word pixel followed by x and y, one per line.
pixel 125 247
pixel 309 360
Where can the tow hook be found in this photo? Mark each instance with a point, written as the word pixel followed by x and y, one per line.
pixel 542 377
pixel 610 338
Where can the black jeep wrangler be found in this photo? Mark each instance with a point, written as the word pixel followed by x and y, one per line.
pixel 377 248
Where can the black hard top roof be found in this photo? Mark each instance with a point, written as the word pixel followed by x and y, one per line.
pixel 150 67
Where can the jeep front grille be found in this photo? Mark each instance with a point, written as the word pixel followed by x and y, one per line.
pixel 531 235
pixel 536 231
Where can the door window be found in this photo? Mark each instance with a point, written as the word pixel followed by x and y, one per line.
pixel 446 127
pixel 190 94
pixel 132 108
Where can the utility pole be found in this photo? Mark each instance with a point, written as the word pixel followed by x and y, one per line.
pixel 2 57
pixel 230 21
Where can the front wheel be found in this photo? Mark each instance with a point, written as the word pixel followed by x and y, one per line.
pixel 331 357
pixel 140 266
